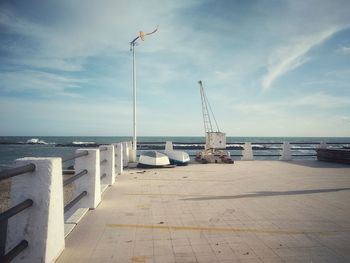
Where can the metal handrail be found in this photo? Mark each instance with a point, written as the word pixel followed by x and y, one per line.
pixel 15 210
pixel 17 171
pixel 75 177
pixel 74 156
pixel 14 252
pixel 74 201
pixel 68 172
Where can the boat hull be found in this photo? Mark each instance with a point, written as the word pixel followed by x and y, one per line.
pixel 178 157
pixel 153 159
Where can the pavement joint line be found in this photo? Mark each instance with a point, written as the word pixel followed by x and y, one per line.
pixel 170 194
pixel 186 179
pixel 220 229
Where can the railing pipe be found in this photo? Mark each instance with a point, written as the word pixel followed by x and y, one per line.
pixel 74 201
pixel 17 171
pixel 15 210
pixel 74 156
pixel 14 252
pixel 75 177
pixel 68 172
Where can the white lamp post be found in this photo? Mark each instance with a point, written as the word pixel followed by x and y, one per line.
pixel 132 48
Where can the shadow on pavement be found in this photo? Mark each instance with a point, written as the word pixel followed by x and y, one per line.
pixel 318 164
pixel 266 194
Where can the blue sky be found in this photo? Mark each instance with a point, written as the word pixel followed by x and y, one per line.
pixel 270 68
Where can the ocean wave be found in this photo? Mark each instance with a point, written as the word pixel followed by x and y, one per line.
pixel 35 141
pixel 78 143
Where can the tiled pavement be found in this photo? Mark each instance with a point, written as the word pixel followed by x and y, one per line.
pixel 254 211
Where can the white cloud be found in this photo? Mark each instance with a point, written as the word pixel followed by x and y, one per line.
pixel 319 101
pixel 323 101
pixel 346 50
pixel 292 56
pixel 48 84
pixel 52 117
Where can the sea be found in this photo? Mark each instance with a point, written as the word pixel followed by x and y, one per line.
pixel 14 147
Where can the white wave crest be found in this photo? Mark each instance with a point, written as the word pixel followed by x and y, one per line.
pixel 77 143
pixel 36 141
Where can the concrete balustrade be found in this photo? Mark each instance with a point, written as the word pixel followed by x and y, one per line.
pixel 107 164
pixel 125 154
pixel 91 182
pixel 286 154
pixel 118 153
pixel 247 152
pixel 42 224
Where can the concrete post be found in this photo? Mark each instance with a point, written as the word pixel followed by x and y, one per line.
pixel 90 182
pixel 125 154
pixel 42 224
pixel 118 157
pixel 323 145
pixel 286 154
pixel 108 165
pixel 247 152
pixel 132 153
pixel 169 146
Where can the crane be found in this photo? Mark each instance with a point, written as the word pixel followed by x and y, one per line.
pixel 215 141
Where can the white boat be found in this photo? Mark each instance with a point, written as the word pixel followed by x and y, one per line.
pixel 176 157
pixel 153 159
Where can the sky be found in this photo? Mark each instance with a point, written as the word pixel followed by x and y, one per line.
pixel 269 68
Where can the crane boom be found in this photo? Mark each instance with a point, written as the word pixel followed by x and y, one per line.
pixel 215 141
pixel 208 127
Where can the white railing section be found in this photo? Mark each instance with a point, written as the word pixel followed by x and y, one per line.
pixel 46 224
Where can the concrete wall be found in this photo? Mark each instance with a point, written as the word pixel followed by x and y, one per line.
pixel 42 225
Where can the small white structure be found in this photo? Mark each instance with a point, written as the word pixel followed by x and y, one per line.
pixel 107 164
pixel 125 154
pixel 215 140
pixel 118 153
pixel 91 182
pixel 247 152
pixel 42 224
pixel 286 154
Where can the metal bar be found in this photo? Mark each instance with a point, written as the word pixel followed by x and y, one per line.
pixel 3 235
pixel 68 172
pixel 297 149
pixel 75 177
pixel 17 171
pixel 15 210
pixel 304 143
pixel 304 155
pixel 265 149
pixel 14 252
pixel 74 156
pixel 271 155
pixel 103 175
pixel 103 161
pixel 74 201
